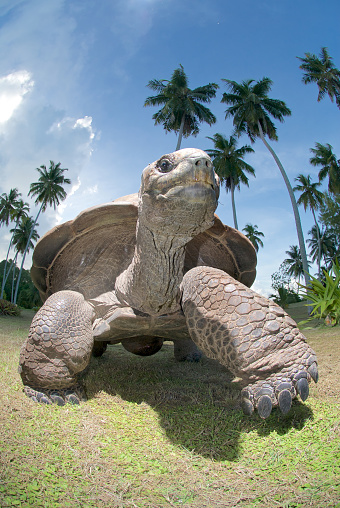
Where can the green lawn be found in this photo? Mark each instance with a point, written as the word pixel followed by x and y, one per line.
pixel 156 433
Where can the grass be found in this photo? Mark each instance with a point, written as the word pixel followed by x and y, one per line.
pixel 157 434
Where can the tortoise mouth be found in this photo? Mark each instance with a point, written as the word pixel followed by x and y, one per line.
pixel 190 190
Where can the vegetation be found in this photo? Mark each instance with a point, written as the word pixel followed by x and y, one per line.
pixel 48 190
pixel 311 198
pixel 325 295
pixel 321 70
pixel 157 433
pixel 230 166
pixel 330 166
pixel 8 309
pixel 28 294
pixel 252 109
pixel 182 109
pixel 253 234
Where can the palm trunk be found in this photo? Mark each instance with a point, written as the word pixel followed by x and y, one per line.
pixel 24 254
pixel 13 275
pixel 180 133
pixel 232 192
pixel 319 242
pixel 294 205
pixel 5 275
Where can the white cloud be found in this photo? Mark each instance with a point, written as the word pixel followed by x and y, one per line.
pixel 13 87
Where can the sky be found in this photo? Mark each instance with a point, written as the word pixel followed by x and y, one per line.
pixel 73 76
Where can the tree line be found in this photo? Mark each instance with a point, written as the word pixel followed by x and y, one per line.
pixel 48 191
pixel 253 113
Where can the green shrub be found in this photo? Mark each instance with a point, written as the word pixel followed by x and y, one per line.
pixel 284 297
pixel 8 308
pixel 325 295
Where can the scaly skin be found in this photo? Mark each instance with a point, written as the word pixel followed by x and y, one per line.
pixel 251 336
pixel 58 347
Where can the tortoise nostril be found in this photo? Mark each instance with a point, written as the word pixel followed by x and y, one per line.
pixel 206 163
pixel 197 163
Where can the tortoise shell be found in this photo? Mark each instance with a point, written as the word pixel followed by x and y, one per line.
pixel 88 253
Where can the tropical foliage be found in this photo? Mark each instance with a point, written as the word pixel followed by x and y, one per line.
pixel 330 165
pixel 325 295
pixel 321 70
pixel 251 110
pixel 253 234
pixel 327 243
pixel 229 164
pixel 182 108
pixel 48 190
pixel 311 198
pixel 19 212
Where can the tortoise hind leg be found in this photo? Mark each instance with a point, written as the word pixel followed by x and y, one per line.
pixel 58 347
pixel 250 335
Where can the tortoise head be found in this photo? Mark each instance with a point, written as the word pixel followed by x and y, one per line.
pixel 179 193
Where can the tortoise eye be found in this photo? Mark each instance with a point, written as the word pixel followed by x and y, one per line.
pixel 165 166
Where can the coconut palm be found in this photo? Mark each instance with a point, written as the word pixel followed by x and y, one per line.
pixel 294 262
pixel 19 212
pixel 252 109
pixel 253 234
pixel 229 165
pixel 311 198
pixel 330 166
pixel 48 191
pixel 24 234
pixel 182 109
pixel 321 70
pixel 328 245
pixel 8 203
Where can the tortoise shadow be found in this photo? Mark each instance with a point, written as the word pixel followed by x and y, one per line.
pixel 198 404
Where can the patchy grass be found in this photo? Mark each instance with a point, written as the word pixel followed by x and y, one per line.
pixel 157 434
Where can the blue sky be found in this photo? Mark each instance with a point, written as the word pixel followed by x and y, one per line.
pixel 73 78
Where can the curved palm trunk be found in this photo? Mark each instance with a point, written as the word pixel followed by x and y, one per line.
pixel 6 274
pixel 180 133
pixel 319 241
pixel 294 205
pixel 24 255
pixel 13 275
pixel 232 192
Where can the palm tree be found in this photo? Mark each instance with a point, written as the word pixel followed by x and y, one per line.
pixel 253 234
pixel 182 109
pixel 229 165
pixel 48 191
pixel 294 262
pixel 24 234
pixel 330 166
pixel 320 70
pixel 8 203
pixel 19 212
pixel 311 198
pixel 251 109
pixel 328 245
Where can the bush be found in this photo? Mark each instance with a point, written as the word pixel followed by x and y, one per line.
pixel 284 297
pixel 325 295
pixel 8 308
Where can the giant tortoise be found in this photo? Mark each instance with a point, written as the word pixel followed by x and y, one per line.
pixel 158 266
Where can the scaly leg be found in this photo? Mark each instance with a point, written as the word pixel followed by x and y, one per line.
pixel 251 336
pixel 58 347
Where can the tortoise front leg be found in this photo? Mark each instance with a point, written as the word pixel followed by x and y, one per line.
pixel 58 347
pixel 252 336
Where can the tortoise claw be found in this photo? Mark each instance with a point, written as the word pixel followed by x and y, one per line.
pixel 302 388
pixel 285 401
pixel 313 371
pixel 264 406
pixel 73 395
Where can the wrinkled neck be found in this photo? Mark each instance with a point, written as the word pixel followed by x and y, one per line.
pixel 151 283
